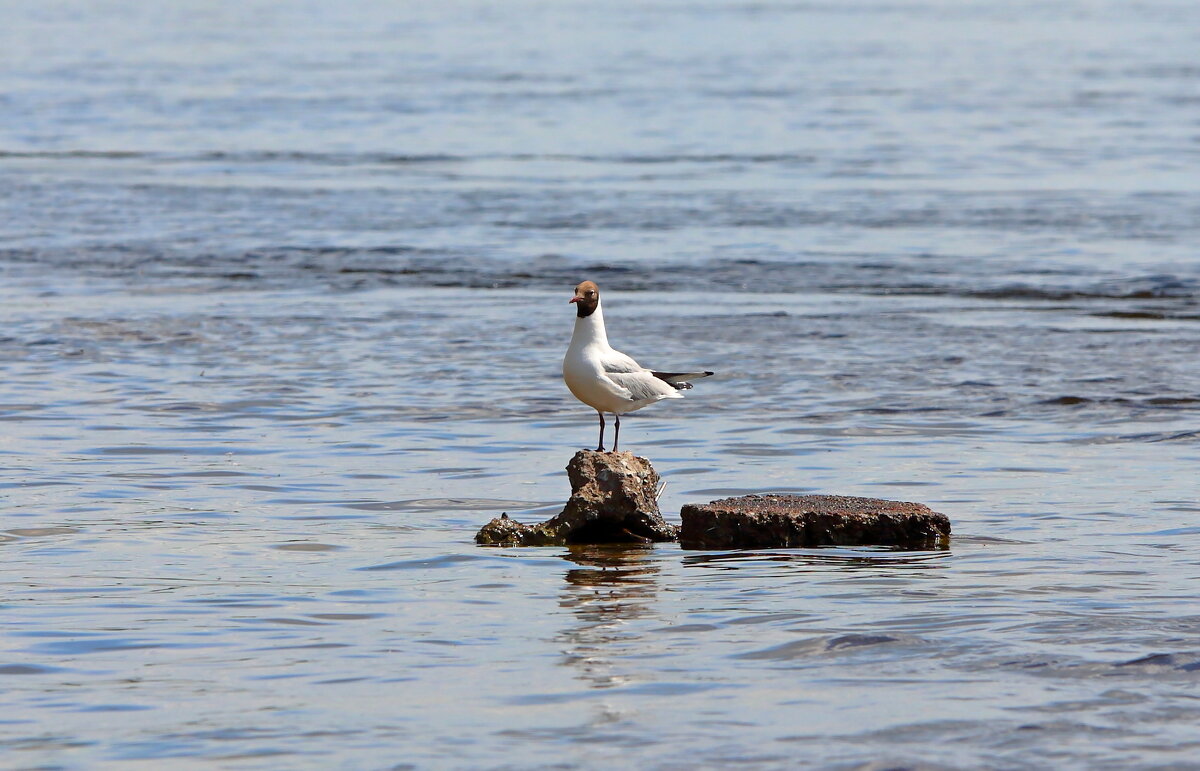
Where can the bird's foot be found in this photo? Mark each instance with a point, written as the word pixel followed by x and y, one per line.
pixel 601 449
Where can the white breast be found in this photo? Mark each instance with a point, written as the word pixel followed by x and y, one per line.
pixel 605 379
pixel 584 375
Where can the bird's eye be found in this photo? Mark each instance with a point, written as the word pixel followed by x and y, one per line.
pixel 590 293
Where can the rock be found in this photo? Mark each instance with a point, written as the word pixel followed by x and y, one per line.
pixel 778 521
pixel 614 499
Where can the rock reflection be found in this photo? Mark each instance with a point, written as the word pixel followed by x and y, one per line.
pixel 611 587
pixel 826 559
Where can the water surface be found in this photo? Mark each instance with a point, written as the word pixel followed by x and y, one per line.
pixel 284 299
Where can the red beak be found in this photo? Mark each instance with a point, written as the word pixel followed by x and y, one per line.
pixel 575 299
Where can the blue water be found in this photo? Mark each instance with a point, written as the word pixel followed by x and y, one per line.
pixel 283 296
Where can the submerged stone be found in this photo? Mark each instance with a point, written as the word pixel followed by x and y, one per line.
pixel 780 521
pixel 614 499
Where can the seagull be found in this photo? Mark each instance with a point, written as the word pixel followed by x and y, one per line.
pixel 608 380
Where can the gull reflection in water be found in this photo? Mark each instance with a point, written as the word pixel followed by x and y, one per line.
pixel 611 587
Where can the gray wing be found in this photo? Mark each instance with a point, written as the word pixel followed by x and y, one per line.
pixel 642 385
pixel 640 382
pixel 615 361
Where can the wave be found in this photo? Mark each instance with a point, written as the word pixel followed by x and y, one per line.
pixel 386 158
pixel 1150 296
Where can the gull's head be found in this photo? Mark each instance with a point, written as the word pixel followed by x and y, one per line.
pixel 586 299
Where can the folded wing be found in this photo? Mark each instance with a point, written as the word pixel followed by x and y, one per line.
pixel 642 386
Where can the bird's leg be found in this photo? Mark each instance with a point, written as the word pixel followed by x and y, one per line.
pixel 616 431
pixel 600 446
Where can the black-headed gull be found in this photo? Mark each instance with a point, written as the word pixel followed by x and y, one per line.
pixel 608 380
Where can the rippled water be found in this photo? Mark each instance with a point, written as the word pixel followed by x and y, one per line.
pixel 284 298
